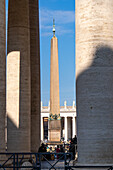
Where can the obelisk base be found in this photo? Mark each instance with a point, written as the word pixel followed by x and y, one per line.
pixel 54 130
pixel 54 135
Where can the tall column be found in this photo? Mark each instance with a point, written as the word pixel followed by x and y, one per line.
pixel 2 75
pixel 54 125
pixel 42 129
pixel 65 125
pixel 48 129
pixel 73 120
pixel 35 74
pixel 94 73
pixel 23 40
pixel 19 135
pixel 75 126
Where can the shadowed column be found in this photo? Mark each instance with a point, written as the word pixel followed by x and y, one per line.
pixel 2 75
pixel 19 82
pixel 94 71
pixel 35 74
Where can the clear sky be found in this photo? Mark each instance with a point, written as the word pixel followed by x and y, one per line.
pixel 63 13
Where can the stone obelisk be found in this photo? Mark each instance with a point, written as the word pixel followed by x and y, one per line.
pixel 94 73
pixel 23 76
pixel 54 124
pixel 2 75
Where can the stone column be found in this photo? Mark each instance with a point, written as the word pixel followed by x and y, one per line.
pixel 65 125
pixel 75 126
pixel 23 38
pixel 94 73
pixel 19 83
pixel 2 75
pixel 73 120
pixel 42 129
pixel 48 131
pixel 35 74
pixel 69 128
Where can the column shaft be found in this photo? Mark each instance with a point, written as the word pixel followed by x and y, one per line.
pixel 23 38
pixel 2 75
pixel 73 120
pixel 19 137
pixel 94 73
pixel 65 124
pixel 42 129
pixel 35 74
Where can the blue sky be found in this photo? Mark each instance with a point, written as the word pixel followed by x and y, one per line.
pixel 63 13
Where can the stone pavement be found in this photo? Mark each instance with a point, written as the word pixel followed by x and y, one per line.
pixel 60 165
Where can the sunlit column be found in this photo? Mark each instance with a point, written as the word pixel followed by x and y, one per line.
pixel 19 79
pixel 48 129
pixel 73 120
pixel 65 124
pixel 42 129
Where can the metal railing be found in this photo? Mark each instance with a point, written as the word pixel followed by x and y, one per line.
pixel 35 160
pixel 16 161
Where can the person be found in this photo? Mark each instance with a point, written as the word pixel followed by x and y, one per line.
pixel 61 148
pixel 62 151
pixel 42 148
pixel 57 151
pixel 72 148
pixel 75 139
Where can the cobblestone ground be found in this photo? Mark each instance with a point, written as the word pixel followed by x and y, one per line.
pixel 60 166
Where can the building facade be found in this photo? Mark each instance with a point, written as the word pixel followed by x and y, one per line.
pixel 68 121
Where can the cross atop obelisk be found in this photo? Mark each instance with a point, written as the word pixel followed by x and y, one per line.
pixel 53 27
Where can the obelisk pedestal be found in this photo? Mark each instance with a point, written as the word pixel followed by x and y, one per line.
pixel 55 130
pixel 55 124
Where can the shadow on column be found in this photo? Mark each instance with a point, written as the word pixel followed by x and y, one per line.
pixel 95 109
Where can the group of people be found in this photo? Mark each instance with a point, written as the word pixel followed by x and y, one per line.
pixel 60 148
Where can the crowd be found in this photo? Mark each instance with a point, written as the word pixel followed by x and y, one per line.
pixel 71 147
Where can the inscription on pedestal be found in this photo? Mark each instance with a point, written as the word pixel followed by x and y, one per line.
pixel 54 135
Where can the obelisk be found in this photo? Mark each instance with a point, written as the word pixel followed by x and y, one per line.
pixel 2 75
pixel 94 74
pixel 54 123
pixel 23 76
